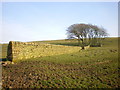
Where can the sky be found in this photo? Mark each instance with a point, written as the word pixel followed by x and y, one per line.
pixel 36 21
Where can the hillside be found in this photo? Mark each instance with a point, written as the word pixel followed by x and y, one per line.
pixel 96 67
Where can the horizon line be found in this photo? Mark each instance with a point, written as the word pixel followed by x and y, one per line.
pixel 51 40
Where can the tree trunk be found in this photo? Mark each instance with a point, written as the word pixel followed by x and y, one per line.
pixel 78 40
pixel 82 44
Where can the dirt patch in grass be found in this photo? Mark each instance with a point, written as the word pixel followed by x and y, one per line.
pixel 45 74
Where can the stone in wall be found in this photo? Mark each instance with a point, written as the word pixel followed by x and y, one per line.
pixel 12 50
pixel 9 51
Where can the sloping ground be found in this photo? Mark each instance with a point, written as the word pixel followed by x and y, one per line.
pixel 93 68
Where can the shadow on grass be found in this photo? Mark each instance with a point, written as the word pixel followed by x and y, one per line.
pixel 3 59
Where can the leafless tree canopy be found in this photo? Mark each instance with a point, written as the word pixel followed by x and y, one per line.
pixel 86 34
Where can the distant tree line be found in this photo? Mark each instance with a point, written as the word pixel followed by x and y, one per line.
pixel 87 34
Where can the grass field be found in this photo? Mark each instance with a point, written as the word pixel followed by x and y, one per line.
pixel 96 67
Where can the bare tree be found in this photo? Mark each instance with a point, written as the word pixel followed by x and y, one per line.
pixel 86 34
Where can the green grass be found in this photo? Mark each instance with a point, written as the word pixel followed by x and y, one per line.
pixel 96 67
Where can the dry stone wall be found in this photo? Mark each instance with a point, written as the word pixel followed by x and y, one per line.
pixel 25 50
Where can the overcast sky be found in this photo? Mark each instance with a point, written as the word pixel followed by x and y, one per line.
pixel 35 21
